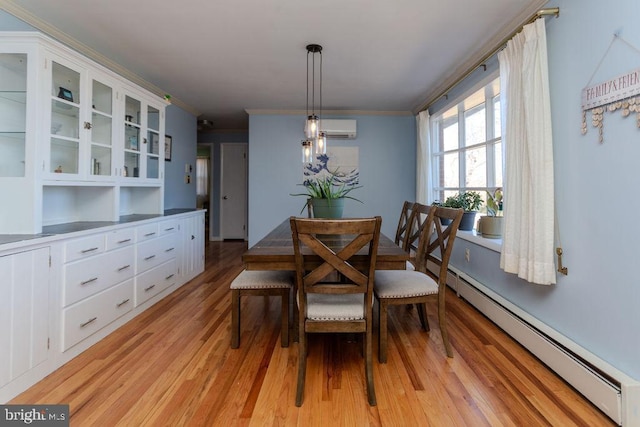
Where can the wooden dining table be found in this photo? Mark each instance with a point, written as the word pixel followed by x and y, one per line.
pixel 275 252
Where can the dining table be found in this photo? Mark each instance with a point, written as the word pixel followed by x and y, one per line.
pixel 275 252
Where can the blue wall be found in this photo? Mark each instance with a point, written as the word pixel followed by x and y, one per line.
pixel 387 146
pixel 182 126
pixel 597 304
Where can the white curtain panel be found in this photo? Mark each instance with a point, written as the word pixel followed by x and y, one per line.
pixel 423 158
pixel 528 236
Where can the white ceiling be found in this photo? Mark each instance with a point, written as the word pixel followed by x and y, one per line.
pixel 218 58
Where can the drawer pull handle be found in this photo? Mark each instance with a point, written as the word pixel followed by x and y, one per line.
pixel 93 319
pixel 149 257
pixel 124 267
pixel 150 234
pixel 169 277
pixel 124 241
pixel 86 282
pixel 169 229
pixel 122 303
pixel 84 251
pixel 169 250
pixel 150 287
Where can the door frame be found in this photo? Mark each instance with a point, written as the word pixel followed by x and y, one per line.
pixel 246 180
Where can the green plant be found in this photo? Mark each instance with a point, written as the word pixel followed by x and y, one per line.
pixel 469 201
pixel 494 202
pixel 327 187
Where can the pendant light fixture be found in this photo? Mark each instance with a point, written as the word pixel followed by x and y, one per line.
pixel 315 138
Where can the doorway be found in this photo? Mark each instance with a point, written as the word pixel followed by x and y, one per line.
pixel 233 194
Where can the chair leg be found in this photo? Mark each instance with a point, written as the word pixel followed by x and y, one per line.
pixel 422 314
pixel 382 331
pixel 302 368
pixel 284 321
pixel 443 324
pixel 235 318
pixel 371 392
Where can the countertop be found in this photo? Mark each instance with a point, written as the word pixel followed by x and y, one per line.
pixel 73 227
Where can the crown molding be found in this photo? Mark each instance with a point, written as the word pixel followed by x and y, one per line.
pixel 467 65
pixel 85 50
pixel 258 112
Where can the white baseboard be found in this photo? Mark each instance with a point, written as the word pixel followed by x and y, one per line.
pixel 619 399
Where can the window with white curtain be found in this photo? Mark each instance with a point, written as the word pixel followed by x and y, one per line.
pixel 466 147
pixel 202 176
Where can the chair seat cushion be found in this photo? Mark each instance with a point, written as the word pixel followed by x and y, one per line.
pixel 250 279
pixel 335 307
pixel 403 284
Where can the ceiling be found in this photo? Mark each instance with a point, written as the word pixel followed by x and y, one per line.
pixel 218 58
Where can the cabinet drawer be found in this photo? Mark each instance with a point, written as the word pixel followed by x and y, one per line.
pixel 84 247
pixel 93 314
pixel 156 280
pixel 167 227
pixel 120 238
pixel 90 276
pixel 155 252
pixel 146 232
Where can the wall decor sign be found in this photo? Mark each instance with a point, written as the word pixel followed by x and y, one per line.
pixel 168 141
pixel 619 93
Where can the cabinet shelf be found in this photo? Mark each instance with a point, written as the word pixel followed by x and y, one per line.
pixel 18 96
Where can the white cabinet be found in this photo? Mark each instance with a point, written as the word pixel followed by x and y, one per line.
pixel 24 310
pixel 193 246
pixel 77 141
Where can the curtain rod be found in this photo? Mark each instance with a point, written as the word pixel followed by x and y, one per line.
pixel 541 13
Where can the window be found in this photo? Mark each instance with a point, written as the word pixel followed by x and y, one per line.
pixel 466 145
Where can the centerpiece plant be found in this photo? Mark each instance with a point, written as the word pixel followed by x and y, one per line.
pixel 326 194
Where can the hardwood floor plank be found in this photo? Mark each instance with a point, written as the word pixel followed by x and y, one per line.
pixel 173 365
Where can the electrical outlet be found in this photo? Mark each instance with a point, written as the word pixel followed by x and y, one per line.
pixel 467 254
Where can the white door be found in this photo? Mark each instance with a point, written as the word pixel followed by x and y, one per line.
pixel 233 203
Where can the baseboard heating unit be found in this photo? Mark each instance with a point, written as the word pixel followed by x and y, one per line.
pixel 613 392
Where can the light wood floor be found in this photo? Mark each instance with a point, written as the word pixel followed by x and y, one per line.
pixel 173 366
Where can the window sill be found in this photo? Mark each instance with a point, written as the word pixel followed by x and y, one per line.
pixel 474 237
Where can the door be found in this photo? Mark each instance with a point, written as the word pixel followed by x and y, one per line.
pixel 233 203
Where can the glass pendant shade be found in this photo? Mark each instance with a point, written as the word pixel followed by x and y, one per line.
pixel 307 151
pixel 321 143
pixel 311 127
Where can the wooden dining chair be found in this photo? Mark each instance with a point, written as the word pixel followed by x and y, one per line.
pixel 329 305
pixel 261 283
pixel 400 287
pixel 403 224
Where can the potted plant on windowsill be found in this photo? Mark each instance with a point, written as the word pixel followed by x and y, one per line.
pixel 469 201
pixel 326 195
pixel 490 226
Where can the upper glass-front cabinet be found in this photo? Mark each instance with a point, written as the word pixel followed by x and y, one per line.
pixel 64 148
pixel 101 127
pixel 153 142
pixel 13 111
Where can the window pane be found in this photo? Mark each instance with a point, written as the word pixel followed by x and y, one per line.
pixel 450 134
pixel 498 164
pixel 475 126
pixel 450 171
pixel 476 167
pixel 497 123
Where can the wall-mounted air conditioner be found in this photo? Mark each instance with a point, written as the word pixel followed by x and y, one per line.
pixel 339 128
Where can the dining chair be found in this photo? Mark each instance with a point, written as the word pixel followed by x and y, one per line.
pixel 329 305
pixel 261 283
pixel 403 224
pixel 400 287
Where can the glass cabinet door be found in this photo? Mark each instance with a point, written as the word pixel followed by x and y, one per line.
pixel 132 137
pixel 65 120
pixel 101 129
pixel 153 142
pixel 13 111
